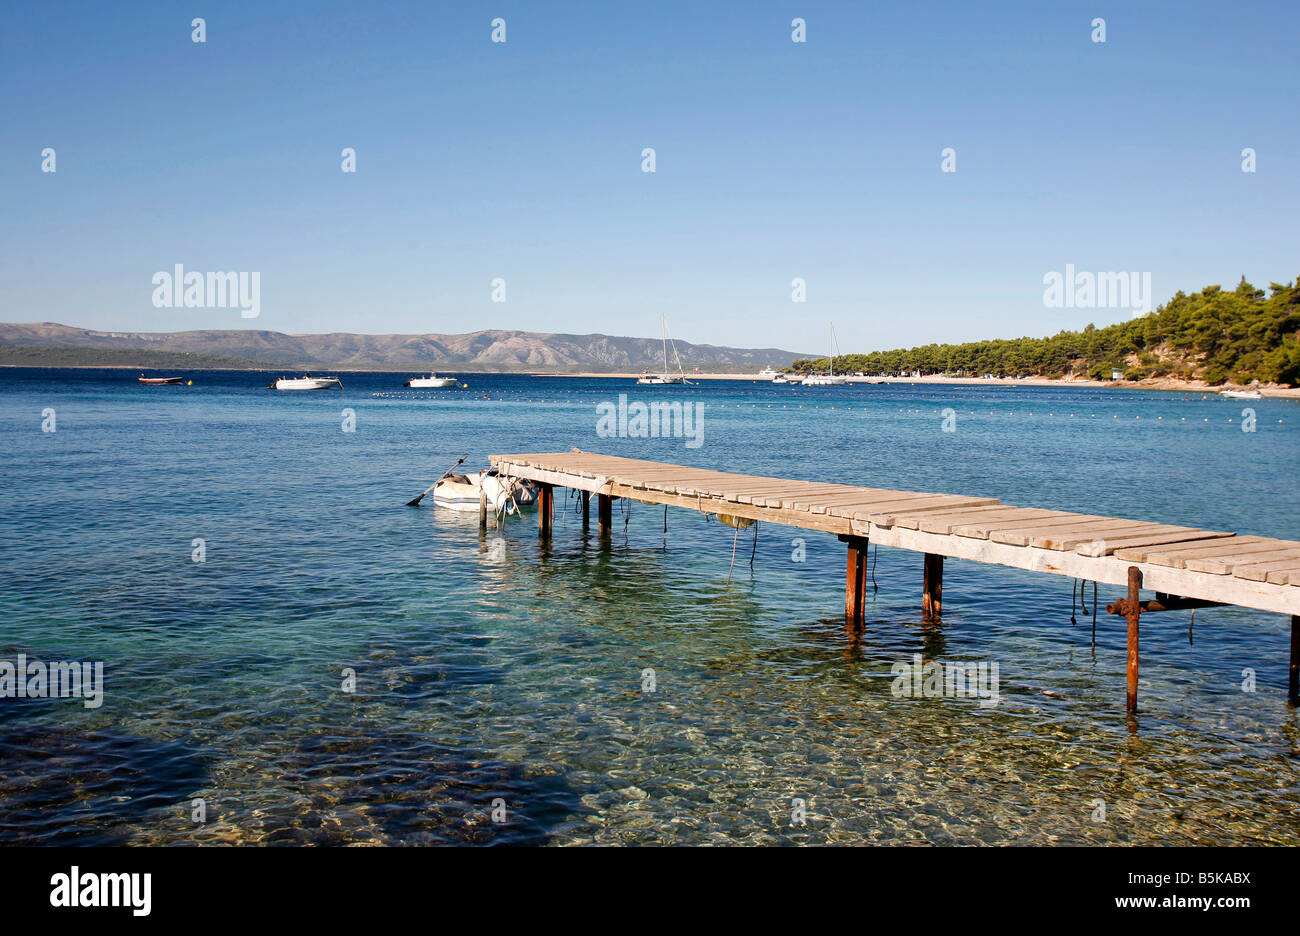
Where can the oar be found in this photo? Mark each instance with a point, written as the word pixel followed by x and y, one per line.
pixel 416 502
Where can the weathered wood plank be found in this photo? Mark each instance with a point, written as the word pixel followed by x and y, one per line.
pixel 944 521
pixel 1112 543
pixel 1024 535
pixel 1224 565
pixel 1258 571
pixel 1054 540
pixel 1143 553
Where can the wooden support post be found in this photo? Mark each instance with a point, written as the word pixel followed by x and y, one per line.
pixel 1133 611
pixel 482 510
pixel 1293 684
pixel 545 511
pixel 932 588
pixel 605 513
pixel 855 585
pixel 586 509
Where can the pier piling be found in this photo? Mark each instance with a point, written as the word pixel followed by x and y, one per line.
pixel 586 509
pixel 932 588
pixel 1293 683
pixel 545 511
pixel 1133 611
pixel 855 583
pixel 605 513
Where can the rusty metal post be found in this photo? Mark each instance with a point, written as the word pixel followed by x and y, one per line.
pixel 855 586
pixel 545 511
pixel 586 509
pixel 1293 684
pixel 1133 611
pixel 932 588
pixel 604 513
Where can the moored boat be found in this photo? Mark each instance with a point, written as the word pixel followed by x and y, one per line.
pixel 665 378
pixel 462 492
pixel 159 381
pixel 826 380
pixel 1241 394
pixel 308 382
pixel 433 380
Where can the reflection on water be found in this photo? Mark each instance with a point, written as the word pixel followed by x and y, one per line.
pixel 486 676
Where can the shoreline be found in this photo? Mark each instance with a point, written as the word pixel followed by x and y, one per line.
pixel 1167 384
pixel 1155 383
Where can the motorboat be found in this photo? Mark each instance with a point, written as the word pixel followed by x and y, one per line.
pixel 159 381
pixel 308 382
pixel 432 381
pixel 462 492
pixel 1241 394
pixel 781 379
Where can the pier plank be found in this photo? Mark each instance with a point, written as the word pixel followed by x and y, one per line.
pixel 985 530
pixel 1224 565
pixel 1111 543
pixel 944 521
pixel 1054 540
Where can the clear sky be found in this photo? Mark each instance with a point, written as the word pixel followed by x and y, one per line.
pixel 522 160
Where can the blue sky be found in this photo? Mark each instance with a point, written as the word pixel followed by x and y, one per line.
pixel 522 160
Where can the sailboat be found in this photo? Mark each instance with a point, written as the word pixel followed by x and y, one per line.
pixel 665 377
pixel 822 380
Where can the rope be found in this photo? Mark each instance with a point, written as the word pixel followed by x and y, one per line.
pixel 1073 600
pixel 753 551
pixel 875 556
pixel 734 539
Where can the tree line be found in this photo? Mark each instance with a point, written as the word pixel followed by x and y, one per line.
pixel 1217 336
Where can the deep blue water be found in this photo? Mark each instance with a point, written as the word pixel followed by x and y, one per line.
pixel 502 674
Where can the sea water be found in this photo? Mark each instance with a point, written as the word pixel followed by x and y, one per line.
pixel 292 655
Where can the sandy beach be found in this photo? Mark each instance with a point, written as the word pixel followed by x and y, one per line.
pixel 1155 383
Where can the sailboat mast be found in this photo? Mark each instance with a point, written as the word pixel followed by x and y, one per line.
pixel 663 330
pixel 832 349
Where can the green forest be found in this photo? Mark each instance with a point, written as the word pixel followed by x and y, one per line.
pixel 1216 336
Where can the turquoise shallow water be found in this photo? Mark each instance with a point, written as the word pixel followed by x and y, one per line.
pixel 498 674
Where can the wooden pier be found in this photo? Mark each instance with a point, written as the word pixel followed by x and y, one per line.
pixel 1186 567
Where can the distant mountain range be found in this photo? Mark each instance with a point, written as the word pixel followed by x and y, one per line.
pixel 491 350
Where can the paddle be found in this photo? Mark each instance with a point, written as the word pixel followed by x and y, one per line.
pixel 416 502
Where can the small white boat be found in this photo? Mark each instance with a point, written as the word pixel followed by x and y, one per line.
pixel 781 379
pixel 159 381
pixel 433 380
pixel 308 382
pixel 1242 394
pixel 461 492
